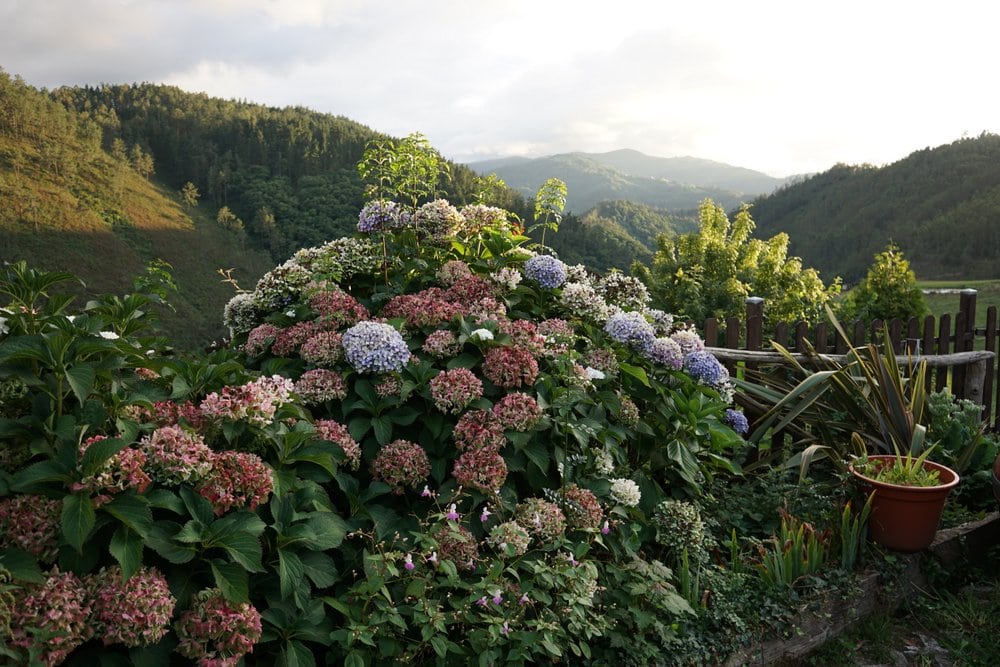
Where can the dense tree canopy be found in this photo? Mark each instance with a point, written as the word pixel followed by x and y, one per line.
pixel 710 273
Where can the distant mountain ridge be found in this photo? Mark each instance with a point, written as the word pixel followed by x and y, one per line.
pixel 673 184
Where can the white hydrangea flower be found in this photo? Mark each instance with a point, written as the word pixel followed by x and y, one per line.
pixel 603 462
pixel 108 335
pixel 595 374
pixel 625 492
pixel 482 334
pixel 507 277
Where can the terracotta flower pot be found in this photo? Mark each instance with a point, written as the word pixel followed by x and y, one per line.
pixel 905 518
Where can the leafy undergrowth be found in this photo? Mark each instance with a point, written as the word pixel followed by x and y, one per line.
pixel 949 625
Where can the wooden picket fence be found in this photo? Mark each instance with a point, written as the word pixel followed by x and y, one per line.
pixel 958 354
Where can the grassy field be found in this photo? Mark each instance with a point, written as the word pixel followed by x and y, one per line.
pixel 940 304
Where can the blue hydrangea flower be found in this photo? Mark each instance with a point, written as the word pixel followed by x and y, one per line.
pixel 665 352
pixel 704 367
pixel 736 420
pixel 381 215
pixel 631 328
pixel 546 270
pixel 374 347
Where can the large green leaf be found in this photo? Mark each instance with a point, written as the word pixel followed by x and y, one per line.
pixel 78 519
pixel 320 568
pixel 126 547
pixel 81 379
pixel 232 580
pixel 21 565
pixel 295 654
pixel 37 473
pixel 131 510
pixel 291 573
pixel 160 539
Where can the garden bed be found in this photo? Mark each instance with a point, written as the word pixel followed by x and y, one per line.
pixel 831 615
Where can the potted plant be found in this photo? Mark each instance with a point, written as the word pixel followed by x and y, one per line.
pixel 908 495
pixel 862 405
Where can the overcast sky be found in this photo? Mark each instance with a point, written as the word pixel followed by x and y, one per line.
pixel 783 87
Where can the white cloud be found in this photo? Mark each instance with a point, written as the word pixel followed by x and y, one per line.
pixel 781 86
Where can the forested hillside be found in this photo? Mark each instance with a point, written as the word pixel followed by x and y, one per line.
pixel 940 205
pixel 613 234
pixel 287 175
pixel 67 204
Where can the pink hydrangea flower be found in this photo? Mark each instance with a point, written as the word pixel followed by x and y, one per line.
pixel 482 469
pixel 442 344
pixel 389 386
pixel 255 402
pixel 541 518
pixel 429 308
pixel 517 412
pixel 135 612
pixel 175 455
pixel 583 510
pixel 524 335
pixel 259 339
pixel 320 385
pixel 322 348
pixel 479 429
pixel 452 271
pixel 455 389
pixel 122 471
pixel 338 307
pixel 510 367
pixel 52 617
pixel 237 479
pixel 328 429
pixel 288 340
pixel 31 523
pixel 217 632
pixel 401 463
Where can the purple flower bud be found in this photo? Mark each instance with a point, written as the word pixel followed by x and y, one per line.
pixel 498 599
pixel 485 515
pixel 452 513
pixel 523 599
pixel 426 493
pixel 605 529
pixel 505 630
pixel 482 602
pixel 408 562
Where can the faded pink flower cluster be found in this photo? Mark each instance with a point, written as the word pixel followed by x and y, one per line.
pixel 583 510
pixel 452 271
pixel 255 402
pixel 135 612
pixel 53 616
pixel 478 429
pixel 541 518
pixel 289 339
pixel 122 471
pixel 510 367
pixel 164 413
pixel 484 469
pixel 559 336
pixel 442 344
pixel 390 385
pixel 260 338
pixel 524 335
pixel 335 432
pixel 457 544
pixel 401 463
pixel 175 455
pixel 517 412
pixel 216 632
pixel 236 480
pixel 320 385
pixel 338 307
pixel 428 308
pixel 322 349
pixel 454 390
pixel 31 523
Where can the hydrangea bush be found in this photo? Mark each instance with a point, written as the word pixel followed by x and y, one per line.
pixel 425 444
